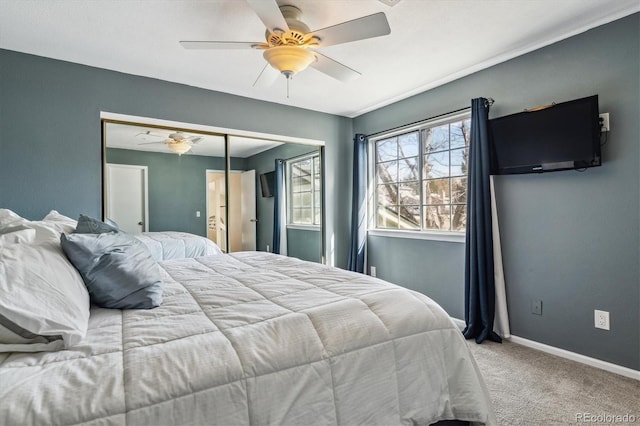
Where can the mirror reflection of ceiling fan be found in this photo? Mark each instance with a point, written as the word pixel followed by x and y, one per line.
pixel 290 47
pixel 177 142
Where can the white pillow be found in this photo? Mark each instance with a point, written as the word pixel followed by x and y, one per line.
pixel 44 303
pixel 7 217
pixel 60 222
pixel 18 235
pixel 10 222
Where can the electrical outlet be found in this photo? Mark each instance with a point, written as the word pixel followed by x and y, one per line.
pixel 601 319
pixel 268 251
pixel 604 123
pixel 197 213
pixel 536 307
pixel 373 271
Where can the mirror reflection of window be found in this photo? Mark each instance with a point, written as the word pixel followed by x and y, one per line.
pixel 303 181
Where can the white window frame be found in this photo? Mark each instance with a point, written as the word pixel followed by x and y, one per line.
pixel 289 186
pixel 427 234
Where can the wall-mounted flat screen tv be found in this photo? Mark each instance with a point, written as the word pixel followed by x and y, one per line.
pixel 561 136
pixel 267 183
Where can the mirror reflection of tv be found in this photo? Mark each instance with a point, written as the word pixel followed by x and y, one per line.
pixel 267 183
pixel 561 136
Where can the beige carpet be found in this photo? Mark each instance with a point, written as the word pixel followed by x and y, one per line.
pixel 529 387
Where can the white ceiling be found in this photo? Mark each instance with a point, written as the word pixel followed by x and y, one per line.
pixel 431 41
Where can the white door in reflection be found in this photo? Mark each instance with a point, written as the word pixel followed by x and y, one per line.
pixel 127 197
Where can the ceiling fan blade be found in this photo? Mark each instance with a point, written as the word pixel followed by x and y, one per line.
pixel 269 13
pixel 148 133
pixel 358 29
pixel 334 68
pixel 194 139
pixel 267 77
pixel 219 44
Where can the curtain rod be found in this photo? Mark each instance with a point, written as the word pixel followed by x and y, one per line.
pixel 489 102
pixel 415 123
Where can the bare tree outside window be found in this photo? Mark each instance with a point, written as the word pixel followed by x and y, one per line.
pixel 421 178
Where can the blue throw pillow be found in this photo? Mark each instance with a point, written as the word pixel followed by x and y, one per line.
pixel 89 225
pixel 117 269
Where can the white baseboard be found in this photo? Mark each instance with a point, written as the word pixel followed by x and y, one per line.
pixel 593 362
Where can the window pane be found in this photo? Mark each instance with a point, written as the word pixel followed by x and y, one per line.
pixel 458 217
pixel 304 216
pixel 296 184
pixel 409 217
pixel 305 200
pixel 316 199
pixel 436 191
pixel 436 165
pixel 304 184
pixel 460 134
pixel 388 217
pixel 316 216
pixel 387 149
pixel 436 138
pixel 387 194
pixel 388 172
pixel 459 190
pixel 409 193
pixel 408 169
pixel 421 178
pixel 295 199
pixel 459 162
pixel 408 145
pixel 437 218
pixel 296 216
pixel 305 166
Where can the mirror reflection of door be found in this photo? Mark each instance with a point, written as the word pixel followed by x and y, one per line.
pixel 183 196
pixel 127 191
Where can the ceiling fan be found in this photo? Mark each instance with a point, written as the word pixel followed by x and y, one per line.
pixel 290 47
pixel 177 142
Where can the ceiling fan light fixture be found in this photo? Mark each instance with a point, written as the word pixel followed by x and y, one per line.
pixel 289 60
pixel 179 147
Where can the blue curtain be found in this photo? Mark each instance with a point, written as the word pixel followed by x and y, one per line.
pixel 278 212
pixel 358 206
pixel 479 279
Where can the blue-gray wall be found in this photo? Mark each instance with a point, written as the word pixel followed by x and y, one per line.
pixel 50 134
pixel 568 238
pixel 177 186
pixel 304 244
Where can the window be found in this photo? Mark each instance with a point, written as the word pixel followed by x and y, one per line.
pixel 304 190
pixel 421 177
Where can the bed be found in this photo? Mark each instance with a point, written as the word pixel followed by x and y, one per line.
pixel 177 245
pixel 255 338
pixel 163 245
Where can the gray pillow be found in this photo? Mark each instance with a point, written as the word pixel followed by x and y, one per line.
pixel 89 225
pixel 117 269
pixel 112 223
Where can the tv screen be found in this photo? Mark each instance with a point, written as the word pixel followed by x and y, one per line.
pixel 558 137
pixel 267 182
